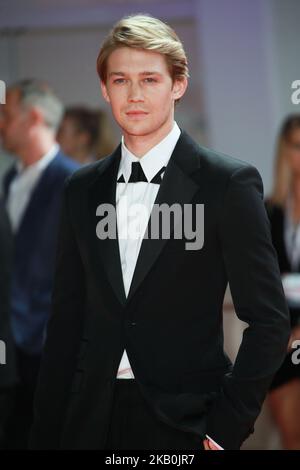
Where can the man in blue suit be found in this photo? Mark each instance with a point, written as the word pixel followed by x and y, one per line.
pixel 32 193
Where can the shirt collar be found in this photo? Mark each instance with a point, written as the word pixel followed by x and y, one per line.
pixel 41 164
pixel 153 160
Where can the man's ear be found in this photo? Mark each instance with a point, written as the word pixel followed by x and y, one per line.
pixel 104 91
pixel 179 87
pixel 35 115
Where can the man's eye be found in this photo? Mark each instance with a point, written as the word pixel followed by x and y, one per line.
pixel 150 80
pixel 119 80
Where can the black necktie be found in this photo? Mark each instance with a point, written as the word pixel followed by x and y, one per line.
pixel 137 175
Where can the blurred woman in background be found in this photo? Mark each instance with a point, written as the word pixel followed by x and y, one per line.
pixel 85 135
pixel 283 207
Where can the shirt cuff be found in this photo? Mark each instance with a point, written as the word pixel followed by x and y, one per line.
pixel 217 445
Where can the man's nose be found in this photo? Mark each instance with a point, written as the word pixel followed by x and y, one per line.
pixel 135 93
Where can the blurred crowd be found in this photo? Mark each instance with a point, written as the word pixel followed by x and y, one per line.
pixel 47 144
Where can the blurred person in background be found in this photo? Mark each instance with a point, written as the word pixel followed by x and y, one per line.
pixel 32 193
pixel 8 376
pixel 85 134
pixel 283 207
pixel 5 163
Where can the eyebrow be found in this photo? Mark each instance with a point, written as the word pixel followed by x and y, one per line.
pixel 146 72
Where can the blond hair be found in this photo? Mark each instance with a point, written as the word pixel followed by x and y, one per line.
pixel 145 32
pixel 282 170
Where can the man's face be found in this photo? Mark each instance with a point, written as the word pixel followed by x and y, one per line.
pixel 140 90
pixel 13 123
pixel 69 137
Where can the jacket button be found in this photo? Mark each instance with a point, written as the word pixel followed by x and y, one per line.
pixel 133 323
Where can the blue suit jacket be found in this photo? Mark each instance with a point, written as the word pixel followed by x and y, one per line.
pixel 34 254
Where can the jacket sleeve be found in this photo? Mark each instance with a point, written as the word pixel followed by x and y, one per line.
pixel 62 338
pixel 255 283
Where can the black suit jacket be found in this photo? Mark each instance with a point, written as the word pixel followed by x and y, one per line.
pixel 171 321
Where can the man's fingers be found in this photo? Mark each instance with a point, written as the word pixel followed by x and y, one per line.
pixel 208 445
pixel 205 443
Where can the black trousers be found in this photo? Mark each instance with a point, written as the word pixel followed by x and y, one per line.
pixel 133 424
pixel 21 417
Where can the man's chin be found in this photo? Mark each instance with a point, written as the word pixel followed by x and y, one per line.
pixel 138 129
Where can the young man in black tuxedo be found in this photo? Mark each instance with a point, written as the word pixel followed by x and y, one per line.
pixel 134 354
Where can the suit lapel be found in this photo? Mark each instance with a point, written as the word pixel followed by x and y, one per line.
pixel 38 200
pixel 177 186
pixel 8 178
pixel 103 191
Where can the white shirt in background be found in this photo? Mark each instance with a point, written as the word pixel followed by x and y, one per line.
pixel 23 184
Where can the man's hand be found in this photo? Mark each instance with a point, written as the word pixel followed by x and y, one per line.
pixel 208 445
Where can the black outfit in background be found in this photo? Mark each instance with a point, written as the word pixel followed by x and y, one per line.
pixel 171 322
pixel 8 375
pixel 288 371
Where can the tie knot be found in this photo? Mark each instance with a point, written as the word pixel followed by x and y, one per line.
pixel 137 175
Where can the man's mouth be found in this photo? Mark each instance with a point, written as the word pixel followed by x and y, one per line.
pixel 137 112
pixel 136 115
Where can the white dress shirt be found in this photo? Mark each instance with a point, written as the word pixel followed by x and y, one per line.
pixel 137 193
pixel 23 184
